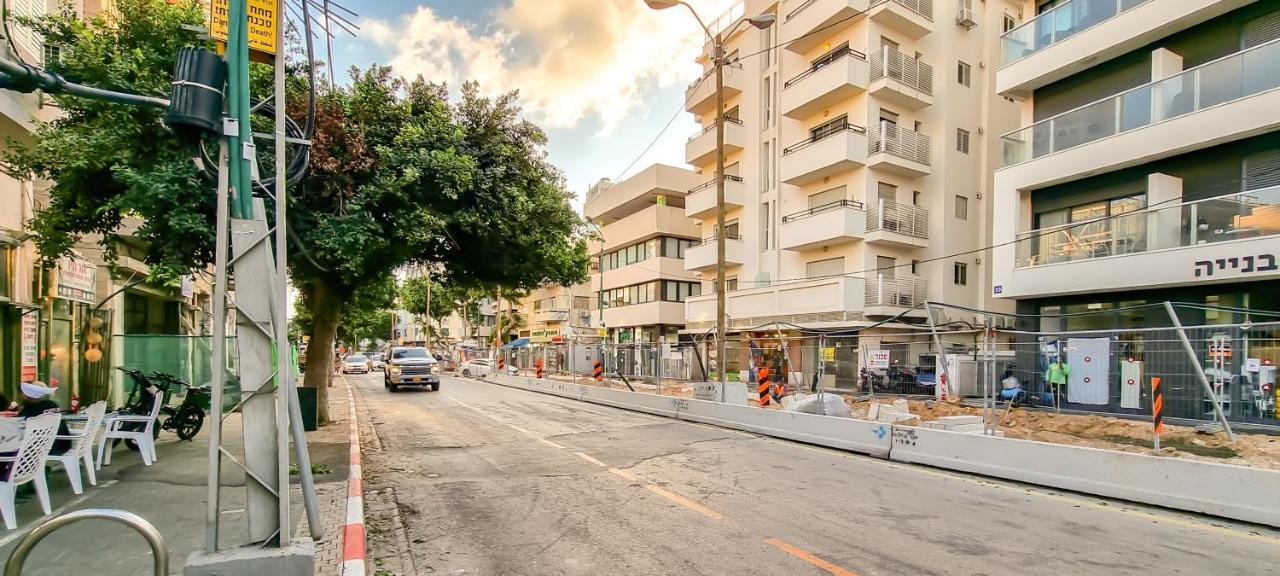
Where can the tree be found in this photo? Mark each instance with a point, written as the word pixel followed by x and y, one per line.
pixel 105 160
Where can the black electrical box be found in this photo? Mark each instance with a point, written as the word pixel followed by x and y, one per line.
pixel 199 79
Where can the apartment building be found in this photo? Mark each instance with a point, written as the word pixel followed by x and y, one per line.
pixel 1147 164
pixel 860 135
pixel 647 227
pixel 554 314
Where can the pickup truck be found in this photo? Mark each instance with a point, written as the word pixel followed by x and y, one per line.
pixel 411 366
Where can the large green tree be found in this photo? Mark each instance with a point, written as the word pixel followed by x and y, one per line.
pixel 399 176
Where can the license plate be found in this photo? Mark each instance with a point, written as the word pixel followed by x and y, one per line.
pixel 415 379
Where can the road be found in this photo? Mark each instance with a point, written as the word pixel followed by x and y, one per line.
pixel 490 480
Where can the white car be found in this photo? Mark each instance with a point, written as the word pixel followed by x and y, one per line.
pixel 355 364
pixel 476 368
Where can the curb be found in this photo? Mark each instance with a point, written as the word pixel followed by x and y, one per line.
pixel 353 535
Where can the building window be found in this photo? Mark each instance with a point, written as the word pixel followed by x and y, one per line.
pixel 764 225
pixel 915 267
pixel 828 128
pixel 824 268
pixel 915 197
pixel 962 141
pixel 964 73
pixel 1009 24
pixel 766 163
pixel 962 207
pixel 766 96
pixel 675 247
pixel 961 274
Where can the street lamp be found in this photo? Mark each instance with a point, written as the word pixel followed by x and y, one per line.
pixel 718 61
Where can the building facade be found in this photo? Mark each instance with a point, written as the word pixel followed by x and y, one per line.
pixel 857 140
pixel 1147 164
pixel 646 230
pixel 554 314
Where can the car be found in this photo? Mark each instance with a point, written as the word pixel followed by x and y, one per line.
pixel 355 364
pixel 411 366
pixel 447 363
pixel 477 367
pixel 377 361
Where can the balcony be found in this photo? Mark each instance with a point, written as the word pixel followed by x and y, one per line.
pixel 553 309
pixel 655 184
pixel 700 96
pixel 913 18
pixel 897 225
pixel 702 256
pixel 890 296
pixel 900 151
pixel 903 80
pixel 825 300
pixel 701 201
pixel 827 225
pixel 814 21
pixel 821 155
pixel 1075 35
pixel 1229 238
pixel 647 223
pixel 1227 99
pixel 831 79
pixel 701 148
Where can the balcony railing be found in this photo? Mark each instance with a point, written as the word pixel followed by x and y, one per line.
pixel 1059 23
pixel 711 240
pixel 837 205
pixel 921 7
pixel 823 62
pixel 823 136
pixel 711 184
pixel 1232 77
pixel 713 127
pixel 799 9
pixel 1244 215
pixel 904 219
pixel 889 62
pixel 901 142
pixel 907 292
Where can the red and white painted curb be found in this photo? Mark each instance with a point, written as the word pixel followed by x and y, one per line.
pixel 353 536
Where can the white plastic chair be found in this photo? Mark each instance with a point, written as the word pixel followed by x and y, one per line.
pixel 81 449
pixel 28 465
pixel 145 440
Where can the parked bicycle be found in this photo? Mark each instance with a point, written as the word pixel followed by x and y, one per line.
pixel 187 418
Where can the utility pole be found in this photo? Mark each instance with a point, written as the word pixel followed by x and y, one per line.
pixel 427 277
pixel 718 61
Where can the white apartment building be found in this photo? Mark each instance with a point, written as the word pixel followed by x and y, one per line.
pixel 1147 165
pixel 647 226
pixel 860 140
pixel 554 314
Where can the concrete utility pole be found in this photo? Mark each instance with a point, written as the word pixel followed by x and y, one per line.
pixel 718 62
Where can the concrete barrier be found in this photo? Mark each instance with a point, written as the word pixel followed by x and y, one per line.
pixel 1224 490
pixel 637 401
pixel 844 433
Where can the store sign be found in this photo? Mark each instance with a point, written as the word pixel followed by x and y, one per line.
pixel 76 280
pixel 262 24
pixel 828 354
pixel 878 359
pixel 30 347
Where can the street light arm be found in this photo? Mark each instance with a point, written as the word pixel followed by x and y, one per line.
pixel 710 37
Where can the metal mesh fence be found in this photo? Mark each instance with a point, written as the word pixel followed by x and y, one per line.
pixel 187 357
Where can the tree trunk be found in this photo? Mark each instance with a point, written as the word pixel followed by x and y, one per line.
pixel 326 312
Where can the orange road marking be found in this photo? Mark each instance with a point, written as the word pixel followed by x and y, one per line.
pixel 591 460
pixel 624 474
pixel 810 558
pixel 681 500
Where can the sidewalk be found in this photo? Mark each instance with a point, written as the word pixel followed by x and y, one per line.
pixel 171 495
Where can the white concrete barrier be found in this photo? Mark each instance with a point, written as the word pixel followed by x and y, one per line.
pixel 843 433
pixel 637 401
pixel 1224 490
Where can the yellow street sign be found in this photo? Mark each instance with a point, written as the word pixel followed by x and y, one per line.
pixel 603 333
pixel 263 20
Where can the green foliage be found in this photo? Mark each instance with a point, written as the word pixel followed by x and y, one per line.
pixel 109 161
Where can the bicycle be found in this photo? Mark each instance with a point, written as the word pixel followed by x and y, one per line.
pixel 187 418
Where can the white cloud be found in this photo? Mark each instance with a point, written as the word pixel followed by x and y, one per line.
pixel 570 59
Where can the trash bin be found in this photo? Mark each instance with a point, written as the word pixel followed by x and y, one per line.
pixel 307 404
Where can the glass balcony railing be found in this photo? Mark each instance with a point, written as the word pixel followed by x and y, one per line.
pixel 1252 214
pixel 1232 77
pixel 1058 24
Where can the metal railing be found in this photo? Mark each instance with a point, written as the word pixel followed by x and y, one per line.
pixel 837 205
pixel 921 7
pixel 825 61
pixel 818 138
pixel 1229 78
pixel 1244 215
pixel 906 292
pixel 901 142
pixel 712 240
pixel 713 127
pixel 799 9
pixel 889 62
pixel 1059 23
pixel 159 553
pixel 904 219
pixel 711 184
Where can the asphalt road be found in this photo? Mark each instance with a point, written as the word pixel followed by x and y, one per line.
pixel 490 480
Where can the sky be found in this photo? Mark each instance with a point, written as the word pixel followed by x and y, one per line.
pixel 602 77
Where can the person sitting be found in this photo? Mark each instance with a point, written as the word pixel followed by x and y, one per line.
pixel 1010 388
pixel 33 399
